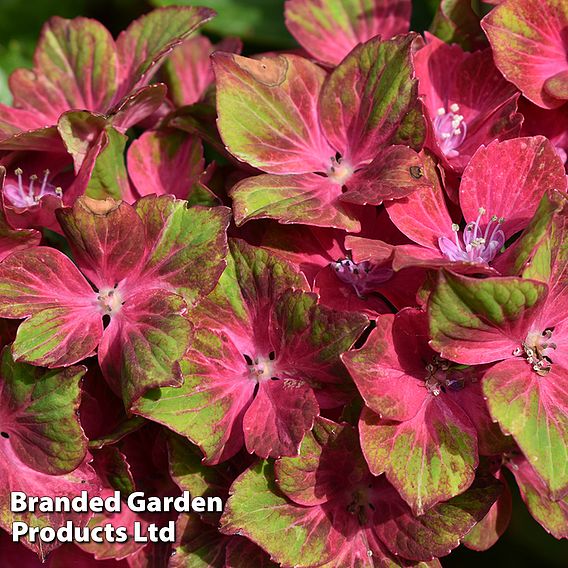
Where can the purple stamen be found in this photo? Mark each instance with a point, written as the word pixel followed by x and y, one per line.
pixel 364 276
pixel 441 376
pixel 450 129
pixel 475 248
pixel 19 196
pixel 44 183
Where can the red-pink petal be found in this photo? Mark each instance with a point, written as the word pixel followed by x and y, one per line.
pixel 529 45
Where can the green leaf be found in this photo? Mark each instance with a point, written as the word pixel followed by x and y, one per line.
pixel 78 59
pixel 78 130
pixel 143 350
pixel 112 462
pixel 207 408
pixel 189 472
pixel 552 515
pixel 268 113
pixel 528 40
pixel 75 67
pixel 302 198
pixel 329 30
pixel 200 119
pixel 490 529
pixel 251 276
pixel 123 429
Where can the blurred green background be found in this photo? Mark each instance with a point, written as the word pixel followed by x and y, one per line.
pixel 260 24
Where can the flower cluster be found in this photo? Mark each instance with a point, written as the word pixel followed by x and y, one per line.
pixel 328 285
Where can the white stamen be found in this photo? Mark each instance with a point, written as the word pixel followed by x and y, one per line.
pixel 33 178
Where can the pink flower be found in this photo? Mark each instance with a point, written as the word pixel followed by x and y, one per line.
pixel 330 31
pixel 468 102
pixel 421 410
pixel 264 362
pixel 530 47
pixel 321 145
pixel 499 193
pixel 520 325
pixel 78 66
pixel 126 296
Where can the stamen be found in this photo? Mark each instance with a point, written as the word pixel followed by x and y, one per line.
pixel 19 173
pixel 339 171
pixel 481 212
pixel 433 387
pixel 537 350
pixel 450 129
pixel 364 277
pixel 442 375
pixel 33 178
pixel 24 197
pixel 262 368
pixel 477 248
pixel 44 183
pixel 109 301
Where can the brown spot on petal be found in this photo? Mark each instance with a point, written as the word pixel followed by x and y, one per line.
pixel 416 172
pixel 270 71
pixel 99 206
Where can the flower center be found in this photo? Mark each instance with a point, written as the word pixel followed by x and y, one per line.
pixel 363 276
pixel 450 129
pixel 360 505
pixel 478 246
pixel 339 171
pixel 110 301
pixel 443 375
pixel 537 350
pixel 21 196
pixel 261 368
